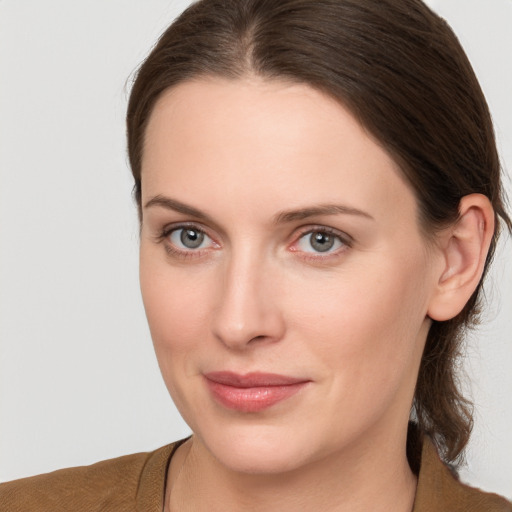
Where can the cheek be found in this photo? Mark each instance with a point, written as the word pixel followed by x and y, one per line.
pixel 177 308
pixel 366 332
pixel 366 320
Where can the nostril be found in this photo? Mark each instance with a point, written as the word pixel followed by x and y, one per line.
pixel 257 338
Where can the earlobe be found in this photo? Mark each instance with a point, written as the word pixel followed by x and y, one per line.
pixel 464 251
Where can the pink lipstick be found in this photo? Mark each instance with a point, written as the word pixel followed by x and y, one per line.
pixel 252 392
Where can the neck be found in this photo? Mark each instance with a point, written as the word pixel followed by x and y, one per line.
pixel 357 480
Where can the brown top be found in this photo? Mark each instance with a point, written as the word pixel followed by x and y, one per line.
pixel 136 483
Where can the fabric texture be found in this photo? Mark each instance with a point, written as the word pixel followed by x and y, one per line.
pixel 136 483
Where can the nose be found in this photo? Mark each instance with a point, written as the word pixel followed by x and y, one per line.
pixel 247 311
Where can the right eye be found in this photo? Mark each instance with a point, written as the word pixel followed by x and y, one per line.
pixel 189 238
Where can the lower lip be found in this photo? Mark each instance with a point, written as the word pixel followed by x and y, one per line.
pixel 252 399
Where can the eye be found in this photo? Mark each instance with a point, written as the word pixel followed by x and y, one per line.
pixel 189 238
pixel 320 241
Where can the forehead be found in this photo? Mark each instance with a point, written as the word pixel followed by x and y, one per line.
pixel 210 139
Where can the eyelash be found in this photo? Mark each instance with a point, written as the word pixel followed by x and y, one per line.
pixel 345 240
pixel 346 243
pixel 179 253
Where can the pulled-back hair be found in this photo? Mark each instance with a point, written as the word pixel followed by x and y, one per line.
pixel 401 71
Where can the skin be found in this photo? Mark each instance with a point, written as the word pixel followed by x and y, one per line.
pixel 257 296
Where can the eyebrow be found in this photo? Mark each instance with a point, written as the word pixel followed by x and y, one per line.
pixel 177 206
pixel 322 209
pixel 280 218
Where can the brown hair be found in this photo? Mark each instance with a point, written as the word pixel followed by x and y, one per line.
pixel 401 71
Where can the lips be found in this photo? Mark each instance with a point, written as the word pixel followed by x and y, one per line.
pixel 252 392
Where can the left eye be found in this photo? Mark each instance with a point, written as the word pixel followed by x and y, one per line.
pixel 189 238
pixel 319 241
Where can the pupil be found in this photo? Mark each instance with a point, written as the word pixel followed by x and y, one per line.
pixel 321 242
pixel 191 238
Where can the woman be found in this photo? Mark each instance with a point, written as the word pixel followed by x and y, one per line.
pixel 319 196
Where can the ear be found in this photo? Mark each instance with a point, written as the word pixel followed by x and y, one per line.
pixel 463 251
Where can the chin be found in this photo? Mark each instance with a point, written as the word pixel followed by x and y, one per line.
pixel 257 449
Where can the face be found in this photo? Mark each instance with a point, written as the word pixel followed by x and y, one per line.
pixel 284 275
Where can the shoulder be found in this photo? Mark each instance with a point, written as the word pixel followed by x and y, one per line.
pixel 110 485
pixel 439 490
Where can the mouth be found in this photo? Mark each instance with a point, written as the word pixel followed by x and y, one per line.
pixel 252 392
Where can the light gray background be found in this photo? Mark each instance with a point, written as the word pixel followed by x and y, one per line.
pixel 78 378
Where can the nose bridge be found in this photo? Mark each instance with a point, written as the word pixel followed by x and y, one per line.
pixel 246 312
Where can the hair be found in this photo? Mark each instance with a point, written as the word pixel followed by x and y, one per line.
pixel 400 70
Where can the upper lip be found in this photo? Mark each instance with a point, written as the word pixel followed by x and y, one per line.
pixel 253 379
